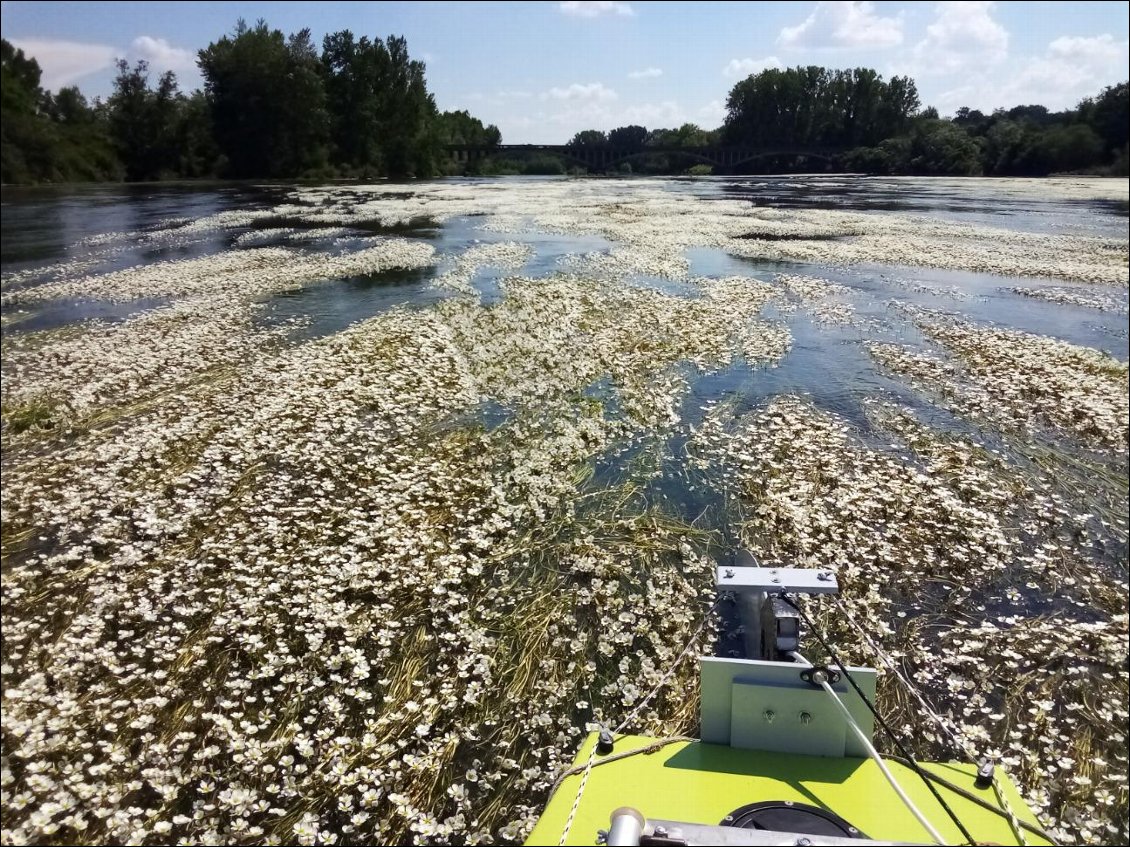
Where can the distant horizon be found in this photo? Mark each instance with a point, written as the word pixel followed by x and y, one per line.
pixel 543 71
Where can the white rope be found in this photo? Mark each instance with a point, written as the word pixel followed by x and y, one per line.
pixel 580 792
pixel 947 725
pixel 631 716
pixel 874 754
pixel 1013 822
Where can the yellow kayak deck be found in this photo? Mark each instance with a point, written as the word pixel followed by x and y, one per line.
pixel 702 783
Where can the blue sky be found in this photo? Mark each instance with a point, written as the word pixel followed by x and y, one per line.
pixel 543 70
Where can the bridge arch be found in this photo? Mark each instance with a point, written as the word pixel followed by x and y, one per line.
pixel 688 153
pixel 768 154
pixel 605 157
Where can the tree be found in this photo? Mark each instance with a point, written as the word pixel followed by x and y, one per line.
pixel 1109 116
pixel 589 138
pixel 631 137
pixel 45 138
pixel 939 148
pixel 267 101
pixel 144 121
pixel 814 106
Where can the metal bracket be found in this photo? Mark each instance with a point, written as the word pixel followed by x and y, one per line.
pixel 812 676
pixel 776 580
pixel 754 589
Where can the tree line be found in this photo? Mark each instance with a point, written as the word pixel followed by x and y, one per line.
pixel 272 106
pixel 879 126
pixel 275 106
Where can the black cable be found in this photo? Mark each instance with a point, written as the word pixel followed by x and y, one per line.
pixel 984 804
pixel 906 754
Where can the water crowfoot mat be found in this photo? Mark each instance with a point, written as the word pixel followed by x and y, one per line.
pixel 363 502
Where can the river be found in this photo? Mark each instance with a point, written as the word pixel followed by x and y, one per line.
pixel 315 488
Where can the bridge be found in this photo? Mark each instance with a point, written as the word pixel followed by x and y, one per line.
pixel 605 156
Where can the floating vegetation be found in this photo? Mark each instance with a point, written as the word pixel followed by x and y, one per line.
pixel 1103 301
pixel 372 587
pixel 242 273
pixel 924 549
pixel 1017 379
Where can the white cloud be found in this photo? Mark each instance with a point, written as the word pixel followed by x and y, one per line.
pixel 745 67
pixel 646 73
pixel 559 119
pixel 963 37
pixel 596 9
pixel 848 24
pixel 713 114
pixel 651 115
pixel 65 62
pixel 1100 50
pixel 1071 69
pixel 592 92
pixel 161 55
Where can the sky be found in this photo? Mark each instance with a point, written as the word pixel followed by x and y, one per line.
pixel 542 71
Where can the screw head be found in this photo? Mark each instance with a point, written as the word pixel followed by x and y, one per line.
pixel 805 718
pixel 769 715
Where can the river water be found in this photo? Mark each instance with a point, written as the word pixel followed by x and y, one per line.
pixel 135 460
pixel 42 228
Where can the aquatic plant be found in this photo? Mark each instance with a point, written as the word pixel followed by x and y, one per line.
pixel 374 586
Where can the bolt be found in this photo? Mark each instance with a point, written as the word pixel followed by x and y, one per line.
pixel 728 819
pixel 819 677
pixel 805 718
pixel 824 576
pixel 660 832
pixel 602 836
pixel 804 842
pixel 728 573
pixel 769 715
pixel 776 580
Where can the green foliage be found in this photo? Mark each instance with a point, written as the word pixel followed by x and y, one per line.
pixel 272 106
pixel 939 148
pixel 382 115
pixel 462 128
pixel 45 138
pixel 540 165
pixel 589 138
pixel 144 123
pixel 816 107
pixel 1032 141
pixel 1109 116
pixel 631 137
pixel 688 135
pixel 701 169
pixel 268 103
